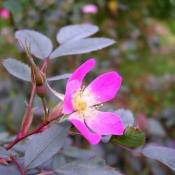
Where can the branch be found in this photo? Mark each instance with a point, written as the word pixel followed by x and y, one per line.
pixel 19 138
pixel 38 129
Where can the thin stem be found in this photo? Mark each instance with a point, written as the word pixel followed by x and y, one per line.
pixel 22 172
pixel 27 119
pixel 74 133
pixel 46 110
pixel 32 94
pixel 27 116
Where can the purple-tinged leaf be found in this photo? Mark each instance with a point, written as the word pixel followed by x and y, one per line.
pixel 81 46
pixel 39 44
pixel 156 169
pixel 75 32
pixel 58 161
pixel 162 154
pixel 78 153
pixel 59 77
pixel 4 153
pixel 155 128
pixel 9 169
pixel 126 117
pixel 17 69
pixel 81 167
pixel 42 147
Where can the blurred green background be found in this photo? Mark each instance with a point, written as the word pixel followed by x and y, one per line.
pixel 143 55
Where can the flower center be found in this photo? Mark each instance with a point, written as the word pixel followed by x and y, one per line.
pixel 79 103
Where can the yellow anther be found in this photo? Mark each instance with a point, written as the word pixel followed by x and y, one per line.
pixel 79 103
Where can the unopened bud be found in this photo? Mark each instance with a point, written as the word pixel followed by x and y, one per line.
pixel 37 76
pixel 41 90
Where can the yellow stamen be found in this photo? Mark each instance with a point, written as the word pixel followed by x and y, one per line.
pixel 81 101
pixel 78 102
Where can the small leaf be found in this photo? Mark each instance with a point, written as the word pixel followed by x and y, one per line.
pixel 42 147
pixel 59 77
pixel 39 44
pixel 75 32
pixel 17 69
pixel 81 46
pixel 162 154
pixel 87 168
pixel 132 138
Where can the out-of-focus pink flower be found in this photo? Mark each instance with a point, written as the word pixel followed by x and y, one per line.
pixel 89 8
pixel 82 103
pixel 4 13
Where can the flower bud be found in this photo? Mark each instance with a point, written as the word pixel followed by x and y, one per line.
pixel 41 90
pixel 37 76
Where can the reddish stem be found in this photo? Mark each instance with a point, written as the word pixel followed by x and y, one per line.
pixel 22 172
pixel 19 137
pixel 27 119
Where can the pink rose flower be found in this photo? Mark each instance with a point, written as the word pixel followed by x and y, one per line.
pixel 4 13
pixel 89 8
pixel 82 103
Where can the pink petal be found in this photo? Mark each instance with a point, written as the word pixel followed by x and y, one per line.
pixel 71 88
pixel 105 123
pixel 74 83
pixel 104 87
pixel 78 122
pixel 82 70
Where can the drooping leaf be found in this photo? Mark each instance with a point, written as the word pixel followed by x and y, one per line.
pixel 59 77
pixel 162 154
pixel 42 147
pixel 132 138
pixel 75 32
pixel 81 46
pixel 87 168
pixel 126 117
pixel 17 69
pixel 39 44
